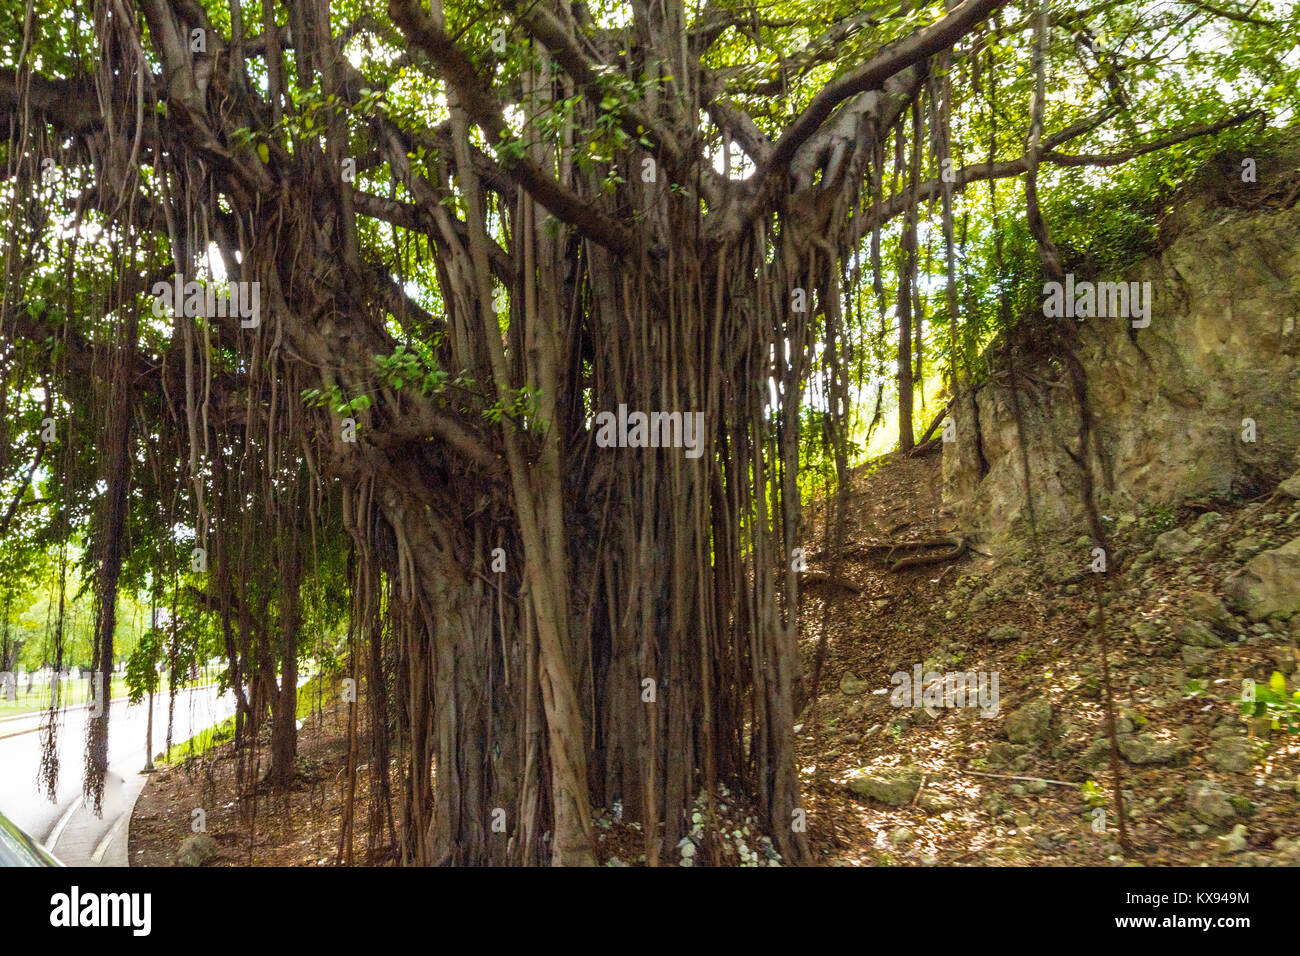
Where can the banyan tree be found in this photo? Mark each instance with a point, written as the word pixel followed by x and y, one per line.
pixel 378 276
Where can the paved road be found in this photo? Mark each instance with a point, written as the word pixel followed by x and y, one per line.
pixel 67 827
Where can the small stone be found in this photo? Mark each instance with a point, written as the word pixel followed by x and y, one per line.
pixel 1146 749
pixel 1176 544
pixel 1291 487
pixel 1195 634
pixel 900 835
pixel 1235 841
pixel 894 787
pixel 1209 804
pixel 1247 547
pixel 1232 755
pixel 936 802
pixel 1206 521
pixel 1004 754
pixel 1144 630
pixel 1207 608
pixel 1225 728
pixel 1097 754
pixel 850 686
pixel 196 850
pixel 1005 632
pixel 1029 724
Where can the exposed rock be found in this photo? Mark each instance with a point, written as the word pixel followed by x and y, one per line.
pixel 1206 522
pixel 1029 724
pixel 196 850
pixel 894 787
pixel 1004 754
pixel 1176 544
pixel 1005 632
pixel 1235 841
pixel 1209 804
pixel 936 802
pixel 1208 609
pixel 1147 748
pixel 1290 487
pixel 1269 583
pixel 1195 633
pixel 1168 400
pixel 1232 755
pixel 1247 547
pixel 1196 658
pixel 900 835
pixel 850 686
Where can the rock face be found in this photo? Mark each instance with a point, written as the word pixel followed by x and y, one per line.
pixel 1269 583
pixel 1168 400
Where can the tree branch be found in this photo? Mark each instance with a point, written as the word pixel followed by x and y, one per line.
pixel 981 172
pixel 486 112
pixel 872 76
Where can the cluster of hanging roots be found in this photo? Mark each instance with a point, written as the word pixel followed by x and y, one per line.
pixel 536 625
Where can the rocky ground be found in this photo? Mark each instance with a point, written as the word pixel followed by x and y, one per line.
pixel 1196 603
pixel 1201 604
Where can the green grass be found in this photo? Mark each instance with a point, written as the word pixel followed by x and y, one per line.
pixel 73 693
pixel 224 731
